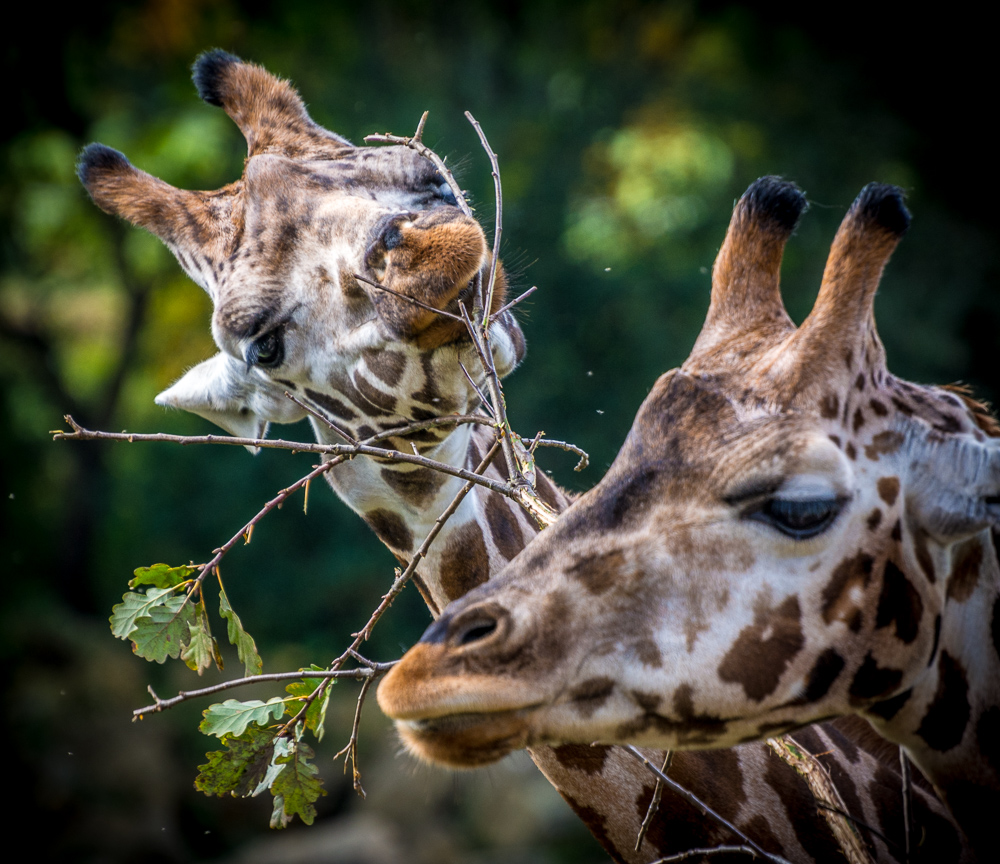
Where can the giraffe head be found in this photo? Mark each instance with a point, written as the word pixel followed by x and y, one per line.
pixel 789 533
pixel 278 251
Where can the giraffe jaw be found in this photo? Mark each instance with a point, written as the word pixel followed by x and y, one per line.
pixel 467 740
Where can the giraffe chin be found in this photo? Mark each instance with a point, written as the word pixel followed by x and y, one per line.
pixel 465 740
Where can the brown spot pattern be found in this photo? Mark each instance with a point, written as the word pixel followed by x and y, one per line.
pixel 387 366
pixel 948 714
pixel 899 604
pixel 829 406
pixel 390 528
pixel 965 568
pixel 600 572
pixel 582 757
pixel 504 530
pixel 464 562
pixel 416 487
pixel 838 605
pixel 872 681
pixel 884 444
pixel 773 640
pixel 337 408
pixel 591 694
pixel 888 489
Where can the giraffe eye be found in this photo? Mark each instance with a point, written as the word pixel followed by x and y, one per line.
pixel 268 351
pixel 798 519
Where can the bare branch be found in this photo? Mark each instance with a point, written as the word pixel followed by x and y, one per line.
pixel 705 853
pixel 408 298
pixel 654 803
pixel 364 674
pixel 350 751
pixel 904 765
pixel 812 771
pixel 513 303
pixel 416 143
pixel 340 451
pixel 312 412
pixel 498 229
pixel 572 448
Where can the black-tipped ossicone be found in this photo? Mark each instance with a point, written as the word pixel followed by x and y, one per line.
pixel 208 74
pixel 777 200
pixel 884 205
pixel 99 159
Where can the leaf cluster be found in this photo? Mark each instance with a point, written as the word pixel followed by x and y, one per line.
pixel 259 757
pixel 170 619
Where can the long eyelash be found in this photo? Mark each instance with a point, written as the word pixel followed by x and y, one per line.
pixel 253 352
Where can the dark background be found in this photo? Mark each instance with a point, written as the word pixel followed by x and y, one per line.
pixel 625 131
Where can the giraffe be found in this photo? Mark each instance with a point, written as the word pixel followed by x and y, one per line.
pixel 789 533
pixel 277 252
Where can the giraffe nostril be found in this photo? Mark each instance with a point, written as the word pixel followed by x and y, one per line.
pixel 392 237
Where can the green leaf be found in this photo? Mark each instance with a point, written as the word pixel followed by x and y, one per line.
pixel 246 648
pixel 232 717
pixel 200 651
pixel 296 788
pixel 239 769
pixel 164 632
pixel 316 712
pixel 162 575
pixel 124 615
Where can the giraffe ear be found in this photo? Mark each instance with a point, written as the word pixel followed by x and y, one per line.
pixel 228 394
pixel 187 222
pixel 954 490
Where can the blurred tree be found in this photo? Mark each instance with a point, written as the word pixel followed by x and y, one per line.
pixel 625 131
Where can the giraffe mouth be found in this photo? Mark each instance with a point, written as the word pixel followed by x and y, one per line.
pixel 466 740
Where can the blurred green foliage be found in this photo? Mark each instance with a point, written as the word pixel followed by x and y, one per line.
pixel 625 132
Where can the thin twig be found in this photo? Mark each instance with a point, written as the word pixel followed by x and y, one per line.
pixel 408 298
pixel 904 764
pixel 468 377
pixel 351 750
pixel 705 853
pixel 341 451
pixel 498 229
pixel 416 143
pixel 572 448
pixel 163 704
pixel 513 303
pixel 701 805
pixel 654 803
pixel 343 433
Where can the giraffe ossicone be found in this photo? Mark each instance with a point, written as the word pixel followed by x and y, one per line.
pixel 789 533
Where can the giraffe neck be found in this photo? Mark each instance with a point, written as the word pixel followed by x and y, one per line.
pixel 401 503
pixel 949 720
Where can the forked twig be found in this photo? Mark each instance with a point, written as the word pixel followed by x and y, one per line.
pixel 654 803
pixel 350 751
